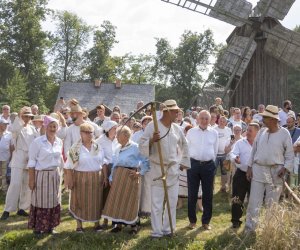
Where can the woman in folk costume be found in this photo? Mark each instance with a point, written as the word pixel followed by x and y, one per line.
pixel 122 204
pixel 105 142
pixel 45 157
pixel 83 178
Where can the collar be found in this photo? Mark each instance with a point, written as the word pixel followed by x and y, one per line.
pixel 208 128
pixel 44 139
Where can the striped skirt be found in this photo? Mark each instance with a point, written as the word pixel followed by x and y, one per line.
pixel 45 207
pixel 122 204
pixel 86 196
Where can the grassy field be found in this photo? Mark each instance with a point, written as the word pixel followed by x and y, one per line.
pixel 15 235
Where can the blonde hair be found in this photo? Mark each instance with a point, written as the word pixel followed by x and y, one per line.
pixel 124 130
pixel 86 127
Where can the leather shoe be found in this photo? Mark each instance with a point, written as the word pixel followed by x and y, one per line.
pixel 206 227
pixel 21 212
pixel 5 215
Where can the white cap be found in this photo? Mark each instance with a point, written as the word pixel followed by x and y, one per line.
pixel 108 125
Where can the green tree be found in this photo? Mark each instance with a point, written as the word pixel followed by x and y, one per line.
pixel 182 66
pixel 99 55
pixel 70 40
pixel 15 93
pixel 23 42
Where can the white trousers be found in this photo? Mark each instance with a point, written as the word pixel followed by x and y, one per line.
pixel 159 214
pixel 256 200
pixel 18 194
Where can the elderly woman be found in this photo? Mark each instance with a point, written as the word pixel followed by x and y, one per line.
pixel 122 203
pixel 45 157
pixel 83 178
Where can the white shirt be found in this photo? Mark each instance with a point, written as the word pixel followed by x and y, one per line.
pixel 6 119
pixel 241 148
pixel 5 142
pixel 203 145
pixel 137 136
pixel 106 144
pixel 87 162
pixel 43 155
pixel 224 138
pixel 283 116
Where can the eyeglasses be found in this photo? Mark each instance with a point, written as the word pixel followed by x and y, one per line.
pixel 87 132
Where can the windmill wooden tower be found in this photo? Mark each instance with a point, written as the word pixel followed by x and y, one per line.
pixel 259 51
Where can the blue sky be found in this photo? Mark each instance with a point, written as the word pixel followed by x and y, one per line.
pixel 140 21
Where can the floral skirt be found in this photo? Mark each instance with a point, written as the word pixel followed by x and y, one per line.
pixel 44 219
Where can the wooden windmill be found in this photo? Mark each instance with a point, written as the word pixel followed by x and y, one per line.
pixel 259 49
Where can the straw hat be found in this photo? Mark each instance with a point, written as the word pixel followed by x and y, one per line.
pixel 38 118
pixel 76 109
pixel 26 111
pixel 146 117
pixel 170 105
pixel 271 111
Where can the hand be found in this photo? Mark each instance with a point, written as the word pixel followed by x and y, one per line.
pixel 281 172
pixel 105 183
pixel 237 160
pixel 156 137
pixel 31 185
pixel 182 167
pixel 249 174
pixel 62 119
pixel 134 174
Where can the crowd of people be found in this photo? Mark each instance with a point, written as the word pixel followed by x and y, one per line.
pixel 111 166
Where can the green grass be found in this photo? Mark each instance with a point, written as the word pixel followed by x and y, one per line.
pixel 15 235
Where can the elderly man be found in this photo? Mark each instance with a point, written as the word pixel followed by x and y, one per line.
pixel 290 125
pixel 6 113
pixel 175 155
pixel 261 109
pixel 272 155
pixel 18 194
pixel 203 145
pixel 240 155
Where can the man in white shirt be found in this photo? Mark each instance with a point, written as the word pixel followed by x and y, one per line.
pixel 18 194
pixel 285 112
pixel 203 144
pixel 271 156
pixel 224 134
pixel 73 132
pixel 6 149
pixel 175 156
pixel 101 118
pixel 240 155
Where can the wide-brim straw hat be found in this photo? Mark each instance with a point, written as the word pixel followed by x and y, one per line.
pixel 26 111
pixel 146 117
pixel 170 105
pixel 38 118
pixel 271 111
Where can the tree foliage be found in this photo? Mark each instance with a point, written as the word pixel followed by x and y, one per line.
pixel 70 40
pixel 182 66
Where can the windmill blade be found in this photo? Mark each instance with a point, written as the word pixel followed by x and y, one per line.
pixel 237 56
pixel 278 9
pixel 235 12
pixel 284 45
pixel 238 8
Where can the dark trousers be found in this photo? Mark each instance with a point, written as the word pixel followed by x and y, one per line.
pixel 203 172
pixel 240 187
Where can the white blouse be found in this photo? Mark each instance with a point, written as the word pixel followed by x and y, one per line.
pixel 87 161
pixel 43 155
